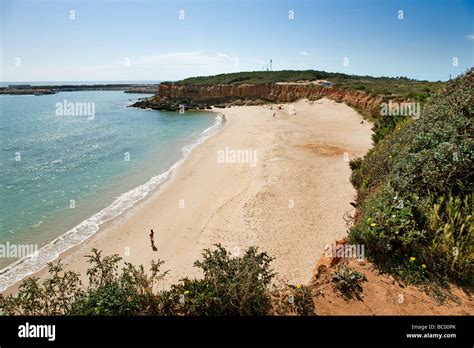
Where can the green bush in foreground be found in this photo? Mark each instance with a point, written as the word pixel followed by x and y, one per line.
pixel 230 286
pixel 292 299
pixel 56 296
pixel 414 192
pixel 110 292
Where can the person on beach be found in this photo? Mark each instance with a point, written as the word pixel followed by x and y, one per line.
pixel 152 240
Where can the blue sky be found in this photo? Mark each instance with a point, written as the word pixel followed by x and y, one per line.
pixel 146 40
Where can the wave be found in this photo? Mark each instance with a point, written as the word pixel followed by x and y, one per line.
pixel 87 228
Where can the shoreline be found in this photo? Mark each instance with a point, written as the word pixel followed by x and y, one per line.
pixel 246 210
pixel 156 182
pixel 45 89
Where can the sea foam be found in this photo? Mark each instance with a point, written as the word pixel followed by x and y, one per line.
pixel 87 228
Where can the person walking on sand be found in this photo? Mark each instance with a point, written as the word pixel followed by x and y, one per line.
pixel 152 240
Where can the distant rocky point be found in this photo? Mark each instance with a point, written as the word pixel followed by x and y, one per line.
pixel 52 89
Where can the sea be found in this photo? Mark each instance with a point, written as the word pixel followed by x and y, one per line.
pixel 69 162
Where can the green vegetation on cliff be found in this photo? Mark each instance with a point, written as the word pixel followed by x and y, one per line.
pixel 388 86
pixel 415 192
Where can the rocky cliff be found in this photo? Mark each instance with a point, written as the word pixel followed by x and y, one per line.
pixel 170 96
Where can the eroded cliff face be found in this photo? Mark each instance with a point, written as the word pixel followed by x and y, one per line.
pixel 171 96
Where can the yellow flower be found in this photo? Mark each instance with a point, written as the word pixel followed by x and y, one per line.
pixel 423 266
pixel 369 219
pixel 298 286
pixel 186 292
pixel 373 224
pixel 129 298
pixel 412 259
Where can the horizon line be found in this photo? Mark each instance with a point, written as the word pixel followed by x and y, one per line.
pixel 249 71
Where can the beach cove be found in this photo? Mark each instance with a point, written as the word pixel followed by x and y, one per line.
pixel 291 204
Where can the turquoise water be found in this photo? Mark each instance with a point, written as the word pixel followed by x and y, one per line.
pixel 64 175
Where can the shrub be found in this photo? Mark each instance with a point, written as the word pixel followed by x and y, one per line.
pixel 414 191
pixel 292 300
pixel 129 292
pixel 348 281
pixel 388 227
pixel 231 286
pixel 109 292
pixel 56 296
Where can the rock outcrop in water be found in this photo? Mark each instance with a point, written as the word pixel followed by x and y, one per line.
pixel 171 97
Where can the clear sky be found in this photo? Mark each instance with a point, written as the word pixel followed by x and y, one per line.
pixel 42 40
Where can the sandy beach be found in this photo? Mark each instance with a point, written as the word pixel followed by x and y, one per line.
pixel 290 200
